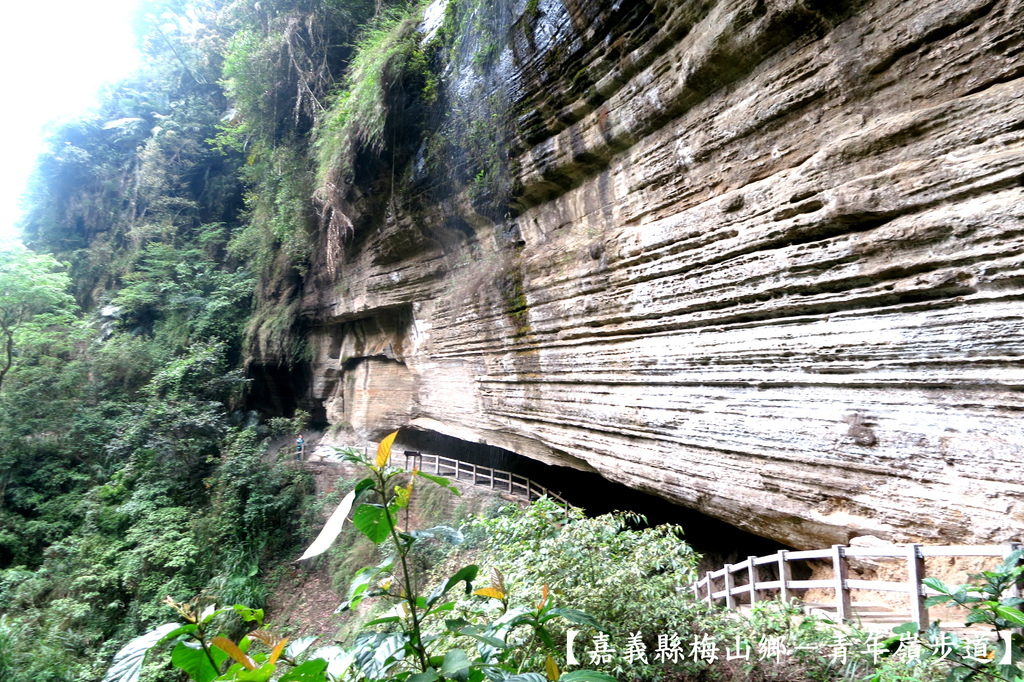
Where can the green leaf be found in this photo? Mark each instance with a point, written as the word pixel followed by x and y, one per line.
pixel 193 660
pixel 545 636
pixel 937 585
pixel 441 481
pixel 297 646
pixel 977 616
pixel 447 606
pixel 176 632
pixel 907 629
pixel 363 486
pixel 586 676
pixel 372 521
pixel 445 533
pixel 466 573
pixel 526 677
pixel 1011 561
pixel 247 614
pixel 1011 614
pixel 261 674
pixel 573 616
pixel 310 671
pixel 455 661
pixel 127 664
pixel 937 599
pixel 363 579
pixel 386 619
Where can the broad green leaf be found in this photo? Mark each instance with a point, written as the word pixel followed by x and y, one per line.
pixel 384 450
pixel 310 671
pixel 907 629
pixel 362 580
pixel 1011 561
pixel 573 616
pixel 936 585
pixel 526 677
pixel 486 639
pixel 363 486
pixel 402 495
pixel 297 646
pixel 977 616
pixel 586 676
pixel 466 573
pixel 545 636
pixel 261 674
pixel 127 663
pixel 193 660
pixel 249 614
pixel 372 521
pixel 447 606
pixel 350 454
pixel 1011 614
pixel 454 661
pixel 441 481
pixel 182 630
pixel 338 660
pixel 212 612
pixel 446 533
pixel 937 599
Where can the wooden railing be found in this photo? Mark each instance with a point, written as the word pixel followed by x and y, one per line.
pixel 754 589
pixel 495 479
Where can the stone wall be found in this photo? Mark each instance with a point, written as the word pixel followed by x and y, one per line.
pixel 767 264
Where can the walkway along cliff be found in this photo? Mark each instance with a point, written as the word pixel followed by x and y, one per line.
pixel 762 258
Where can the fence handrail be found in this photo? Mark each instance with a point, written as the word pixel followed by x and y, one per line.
pixel 841 583
pixel 514 484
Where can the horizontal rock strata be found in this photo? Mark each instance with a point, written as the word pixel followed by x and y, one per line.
pixel 771 268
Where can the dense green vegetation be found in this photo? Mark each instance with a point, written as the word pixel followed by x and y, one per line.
pixel 173 232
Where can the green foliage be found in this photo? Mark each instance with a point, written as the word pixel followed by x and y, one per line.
pixel 387 51
pixel 992 600
pixel 35 306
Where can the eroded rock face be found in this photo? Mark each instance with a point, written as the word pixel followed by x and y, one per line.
pixel 768 263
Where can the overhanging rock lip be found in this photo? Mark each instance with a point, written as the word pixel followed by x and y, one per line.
pixel 521 445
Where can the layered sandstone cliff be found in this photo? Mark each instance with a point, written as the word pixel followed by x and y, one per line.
pixel 763 258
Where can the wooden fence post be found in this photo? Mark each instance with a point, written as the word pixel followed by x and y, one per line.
pixel 785 575
pixel 711 588
pixel 915 572
pixel 752 579
pixel 730 601
pixel 841 570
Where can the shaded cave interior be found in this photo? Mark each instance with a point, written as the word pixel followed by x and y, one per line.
pixel 716 541
pixel 278 391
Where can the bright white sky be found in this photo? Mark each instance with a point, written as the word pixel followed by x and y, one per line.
pixel 54 56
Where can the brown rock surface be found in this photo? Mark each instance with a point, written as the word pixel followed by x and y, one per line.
pixel 770 267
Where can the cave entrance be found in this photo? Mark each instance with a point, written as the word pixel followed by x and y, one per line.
pixel 279 390
pixel 717 541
